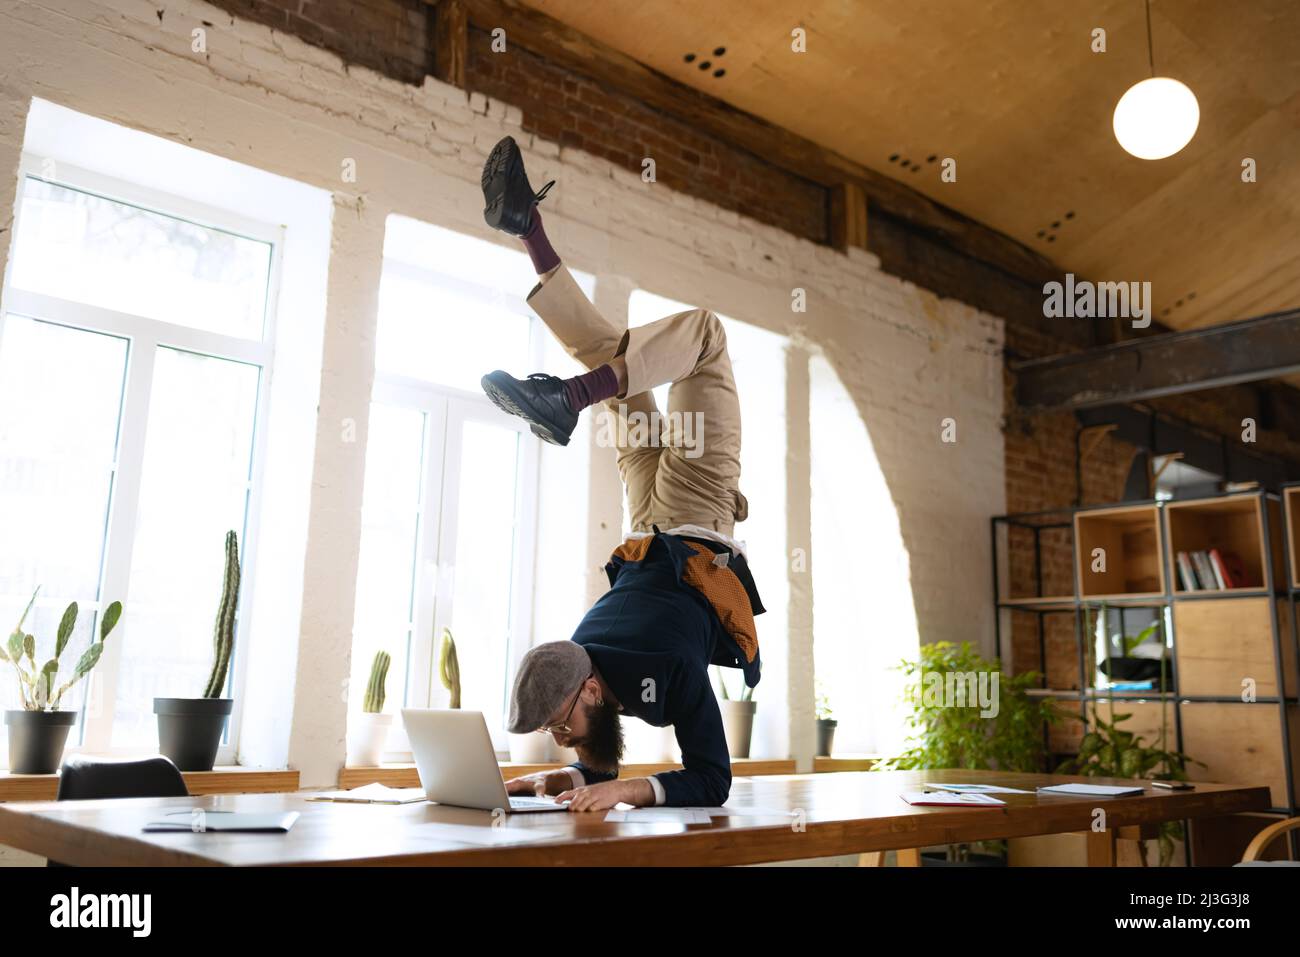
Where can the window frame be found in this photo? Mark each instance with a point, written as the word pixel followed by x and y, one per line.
pixel 446 409
pixel 144 336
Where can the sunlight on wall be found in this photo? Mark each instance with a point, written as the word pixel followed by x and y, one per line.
pixel 864 620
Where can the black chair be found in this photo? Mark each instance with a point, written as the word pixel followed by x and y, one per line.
pixel 88 779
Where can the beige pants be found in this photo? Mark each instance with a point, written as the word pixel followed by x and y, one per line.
pixel 678 469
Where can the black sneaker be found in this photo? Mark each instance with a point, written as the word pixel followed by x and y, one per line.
pixel 507 197
pixel 538 400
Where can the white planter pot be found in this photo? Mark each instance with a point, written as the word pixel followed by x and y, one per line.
pixel 558 754
pixel 738 725
pixel 531 748
pixel 367 736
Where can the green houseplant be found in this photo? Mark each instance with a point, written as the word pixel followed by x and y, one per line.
pixel 369 730
pixel 826 723
pixel 1107 750
pixel 737 717
pixel 190 729
pixel 39 730
pixel 945 734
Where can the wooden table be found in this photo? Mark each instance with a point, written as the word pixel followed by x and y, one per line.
pixel 835 813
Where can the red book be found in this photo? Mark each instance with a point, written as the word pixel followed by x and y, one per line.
pixel 1230 567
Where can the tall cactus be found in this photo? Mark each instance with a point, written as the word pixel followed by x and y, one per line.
pixel 374 701
pixel 449 667
pixel 223 632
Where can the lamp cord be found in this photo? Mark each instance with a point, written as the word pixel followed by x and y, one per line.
pixel 1151 57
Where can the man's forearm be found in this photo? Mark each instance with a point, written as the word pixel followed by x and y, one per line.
pixel 642 792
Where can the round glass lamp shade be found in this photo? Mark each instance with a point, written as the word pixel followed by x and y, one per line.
pixel 1156 118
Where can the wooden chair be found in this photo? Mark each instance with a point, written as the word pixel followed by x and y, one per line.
pixel 1263 839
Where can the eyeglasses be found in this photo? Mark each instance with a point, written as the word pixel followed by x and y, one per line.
pixel 563 727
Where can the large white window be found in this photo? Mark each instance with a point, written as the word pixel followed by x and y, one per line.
pixel 135 350
pixel 758 359
pixel 449 520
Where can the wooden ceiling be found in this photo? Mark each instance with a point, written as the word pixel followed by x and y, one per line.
pixel 1012 90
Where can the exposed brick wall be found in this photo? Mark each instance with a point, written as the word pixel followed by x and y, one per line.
pixel 393 37
pixel 577 112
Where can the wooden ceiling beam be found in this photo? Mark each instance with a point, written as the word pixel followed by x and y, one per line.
pixel 1248 350
pixel 848 216
pixel 450 42
pixel 560 43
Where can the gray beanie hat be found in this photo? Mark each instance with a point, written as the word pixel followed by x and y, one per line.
pixel 547 674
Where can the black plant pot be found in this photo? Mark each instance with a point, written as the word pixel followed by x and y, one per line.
pixel 36 740
pixel 825 736
pixel 190 729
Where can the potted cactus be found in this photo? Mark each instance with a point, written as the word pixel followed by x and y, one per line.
pixel 39 730
pixel 826 723
pixel 737 718
pixel 449 667
pixel 190 729
pixel 370 728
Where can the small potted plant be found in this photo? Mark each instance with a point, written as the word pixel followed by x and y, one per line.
pixel 39 730
pixel 370 728
pixel 190 729
pixel 737 718
pixel 449 667
pixel 826 723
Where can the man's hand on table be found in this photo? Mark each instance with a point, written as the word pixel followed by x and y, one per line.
pixel 602 796
pixel 540 783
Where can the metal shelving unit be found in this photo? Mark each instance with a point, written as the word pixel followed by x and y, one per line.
pixel 1269 507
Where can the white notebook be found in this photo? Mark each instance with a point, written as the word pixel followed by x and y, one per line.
pixel 1092 790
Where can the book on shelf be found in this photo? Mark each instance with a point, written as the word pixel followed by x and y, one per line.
pixel 1211 570
pixel 1205 571
pixel 1231 567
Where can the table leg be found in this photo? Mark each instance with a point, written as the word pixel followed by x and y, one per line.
pixel 1101 848
pixel 909 857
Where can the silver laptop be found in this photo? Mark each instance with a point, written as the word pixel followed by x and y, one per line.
pixel 458 765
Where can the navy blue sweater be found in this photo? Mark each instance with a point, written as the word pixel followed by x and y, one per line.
pixel 653 637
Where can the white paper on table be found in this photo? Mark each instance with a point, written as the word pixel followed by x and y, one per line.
pixel 747 812
pixel 650 815
pixel 372 794
pixel 486 835
pixel 975 788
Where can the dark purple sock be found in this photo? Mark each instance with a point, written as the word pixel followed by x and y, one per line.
pixel 539 247
pixel 590 387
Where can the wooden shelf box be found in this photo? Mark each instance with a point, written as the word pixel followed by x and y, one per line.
pixel 1241 743
pixel 1131 542
pixel 1292 509
pixel 1225 641
pixel 1232 524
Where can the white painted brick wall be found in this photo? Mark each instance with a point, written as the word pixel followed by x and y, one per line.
pixel 265 98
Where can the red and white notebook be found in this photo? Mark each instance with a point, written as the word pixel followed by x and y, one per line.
pixel 950 799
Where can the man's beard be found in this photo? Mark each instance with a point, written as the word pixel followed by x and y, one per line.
pixel 601 748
